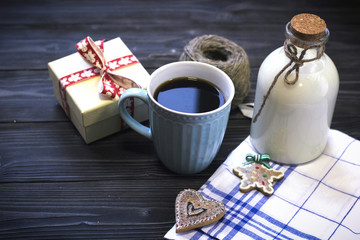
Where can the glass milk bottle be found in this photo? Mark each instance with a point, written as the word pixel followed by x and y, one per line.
pixel 295 96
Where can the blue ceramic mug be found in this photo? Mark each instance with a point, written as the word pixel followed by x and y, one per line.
pixel 186 143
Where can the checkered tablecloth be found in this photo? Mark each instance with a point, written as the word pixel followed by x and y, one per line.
pixel 316 200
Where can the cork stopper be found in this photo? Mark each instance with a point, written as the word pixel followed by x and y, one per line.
pixel 308 27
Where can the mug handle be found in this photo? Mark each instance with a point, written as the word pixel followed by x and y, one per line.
pixel 138 127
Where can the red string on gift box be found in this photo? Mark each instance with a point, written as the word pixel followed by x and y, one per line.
pixel 110 84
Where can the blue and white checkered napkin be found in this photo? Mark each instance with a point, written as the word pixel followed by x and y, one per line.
pixel 317 200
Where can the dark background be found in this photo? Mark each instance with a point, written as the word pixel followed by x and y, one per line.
pixel 53 185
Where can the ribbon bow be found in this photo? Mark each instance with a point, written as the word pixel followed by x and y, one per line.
pixel 110 84
pixel 263 159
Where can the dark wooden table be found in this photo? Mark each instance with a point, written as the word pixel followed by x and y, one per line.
pixel 53 185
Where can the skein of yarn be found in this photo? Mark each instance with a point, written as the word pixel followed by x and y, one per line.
pixel 225 55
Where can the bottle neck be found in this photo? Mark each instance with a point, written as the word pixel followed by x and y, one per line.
pixel 303 43
pixel 315 49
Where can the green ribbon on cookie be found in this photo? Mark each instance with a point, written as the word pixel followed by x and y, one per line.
pixel 262 159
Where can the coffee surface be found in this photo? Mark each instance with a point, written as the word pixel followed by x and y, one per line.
pixel 189 95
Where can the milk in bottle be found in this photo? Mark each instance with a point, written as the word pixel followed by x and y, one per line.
pixel 295 96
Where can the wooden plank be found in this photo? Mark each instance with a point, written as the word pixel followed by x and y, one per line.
pixel 57 150
pixel 35 34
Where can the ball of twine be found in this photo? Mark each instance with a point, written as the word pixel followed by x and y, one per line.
pixel 225 55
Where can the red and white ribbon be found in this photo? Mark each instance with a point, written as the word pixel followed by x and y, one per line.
pixel 110 84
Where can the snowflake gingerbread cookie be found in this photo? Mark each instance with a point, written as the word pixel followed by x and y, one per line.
pixel 257 174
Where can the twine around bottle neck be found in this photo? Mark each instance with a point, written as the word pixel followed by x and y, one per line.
pixel 292 53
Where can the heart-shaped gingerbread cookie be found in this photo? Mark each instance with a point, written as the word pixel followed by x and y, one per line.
pixel 193 211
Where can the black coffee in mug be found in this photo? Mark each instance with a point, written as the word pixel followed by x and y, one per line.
pixel 189 95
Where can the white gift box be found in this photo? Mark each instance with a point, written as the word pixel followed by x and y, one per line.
pixel 95 115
